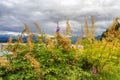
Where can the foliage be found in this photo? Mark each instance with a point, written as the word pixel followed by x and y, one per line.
pixel 59 59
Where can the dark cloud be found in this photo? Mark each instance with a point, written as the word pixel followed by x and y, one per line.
pixel 13 13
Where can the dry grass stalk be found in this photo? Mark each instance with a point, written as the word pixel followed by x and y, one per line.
pixel 62 41
pixel 19 39
pixel 30 43
pixel 86 29
pixel 39 31
pixel 92 27
pixel 14 53
pixel 113 31
pixel 115 22
pixel 50 43
pixel 77 42
pixel 38 28
pixel 66 43
pixel 68 29
pixel 11 48
pixel 4 62
pixel 29 39
pixel 34 62
pixel 27 29
pixel 9 41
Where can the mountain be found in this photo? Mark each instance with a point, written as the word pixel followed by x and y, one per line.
pixel 4 36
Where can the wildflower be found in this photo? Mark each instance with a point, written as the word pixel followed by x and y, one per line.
pixel 58 28
pixel 59 59
pixel 94 70
pixel 52 60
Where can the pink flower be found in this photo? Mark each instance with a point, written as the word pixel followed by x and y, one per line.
pixel 94 70
pixel 58 29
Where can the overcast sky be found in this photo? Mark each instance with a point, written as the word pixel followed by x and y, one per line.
pixel 13 13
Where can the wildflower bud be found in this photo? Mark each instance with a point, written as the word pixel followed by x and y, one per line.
pixel 94 70
pixel 51 60
pixel 58 29
pixel 59 59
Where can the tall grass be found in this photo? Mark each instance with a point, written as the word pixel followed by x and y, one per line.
pixel 58 59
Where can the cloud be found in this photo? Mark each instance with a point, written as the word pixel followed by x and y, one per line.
pixel 13 13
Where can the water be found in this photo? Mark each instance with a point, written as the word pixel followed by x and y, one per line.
pixel 2 49
pixel 5 52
